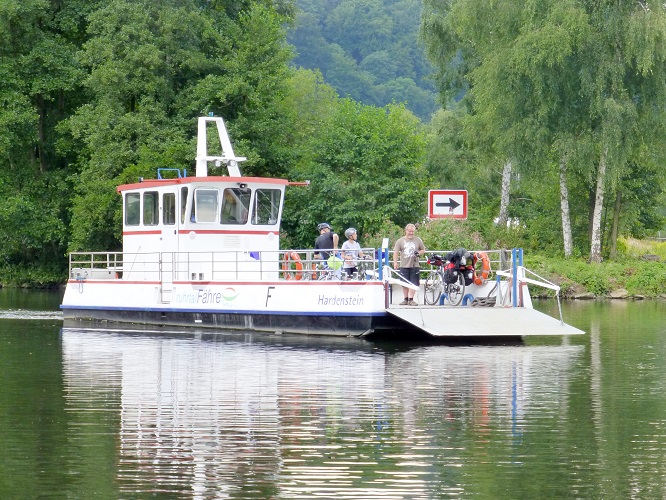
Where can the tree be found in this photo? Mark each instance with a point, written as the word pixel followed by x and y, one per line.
pixel 153 68
pixel 564 207
pixel 367 50
pixel 541 80
pixel 40 86
pixel 366 168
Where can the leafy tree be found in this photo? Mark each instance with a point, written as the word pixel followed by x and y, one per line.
pixel 560 83
pixel 366 169
pixel 306 108
pixel 367 50
pixel 154 67
pixel 40 86
pixel 360 27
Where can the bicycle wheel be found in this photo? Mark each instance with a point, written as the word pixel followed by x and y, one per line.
pixel 457 290
pixel 433 288
pixel 363 267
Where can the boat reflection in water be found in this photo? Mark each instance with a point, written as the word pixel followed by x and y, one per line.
pixel 216 415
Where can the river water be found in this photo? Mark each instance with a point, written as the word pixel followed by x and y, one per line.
pixel 141 414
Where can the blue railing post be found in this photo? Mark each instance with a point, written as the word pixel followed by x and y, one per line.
pixel 380 259
pixel 514 272
pixel 516 260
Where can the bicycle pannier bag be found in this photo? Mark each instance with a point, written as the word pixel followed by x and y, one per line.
pixel 450 273
pixel 468 274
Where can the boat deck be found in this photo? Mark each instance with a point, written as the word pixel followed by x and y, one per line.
pixel 450 321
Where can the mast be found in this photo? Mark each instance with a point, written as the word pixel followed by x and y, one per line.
pixel 228 157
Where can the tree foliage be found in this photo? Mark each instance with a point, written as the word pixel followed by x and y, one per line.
pixel 556 81
pixel 40 84
pixel 367 50
pixel 95 94
pixel 114 91
pixel 152 68
pixel 365 167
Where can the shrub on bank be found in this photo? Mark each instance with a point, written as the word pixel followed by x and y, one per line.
pixel 648 280
pixel 31 277
pixel 578 277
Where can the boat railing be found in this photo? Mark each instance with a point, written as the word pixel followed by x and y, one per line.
pixel 235 265
pixel 497 260
pixel 169 267
pixel 95 265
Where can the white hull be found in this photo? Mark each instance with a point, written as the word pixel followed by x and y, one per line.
pixel 350 308
pixel 312 307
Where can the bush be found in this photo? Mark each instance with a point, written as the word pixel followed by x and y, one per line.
pixel 448 234
pixel 32 276
pixel 648 279
pixel 633 248
pixel 637 276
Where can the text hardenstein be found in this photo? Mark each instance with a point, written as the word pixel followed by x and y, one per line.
pixel 334 300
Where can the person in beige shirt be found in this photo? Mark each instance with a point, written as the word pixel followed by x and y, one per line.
pixel 406 254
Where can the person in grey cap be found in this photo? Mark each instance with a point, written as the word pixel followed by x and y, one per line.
pixel 325 242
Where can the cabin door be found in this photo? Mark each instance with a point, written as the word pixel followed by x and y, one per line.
pixel 169 251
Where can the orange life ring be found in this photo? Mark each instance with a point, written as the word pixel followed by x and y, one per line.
pixel 481 278
pixel 286 266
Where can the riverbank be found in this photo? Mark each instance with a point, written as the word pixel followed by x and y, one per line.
pixel 632 278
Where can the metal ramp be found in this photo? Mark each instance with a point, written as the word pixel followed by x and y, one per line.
pixel 443 321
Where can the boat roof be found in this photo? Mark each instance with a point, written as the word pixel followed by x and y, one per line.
pixel 151 183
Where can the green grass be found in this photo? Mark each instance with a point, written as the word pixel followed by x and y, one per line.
pixel 640 277
pixel 642 248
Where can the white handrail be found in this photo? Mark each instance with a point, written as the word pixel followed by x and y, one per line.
pixel 401 281
pixel 545 284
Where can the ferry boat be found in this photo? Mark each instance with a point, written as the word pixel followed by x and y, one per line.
pixel 204 251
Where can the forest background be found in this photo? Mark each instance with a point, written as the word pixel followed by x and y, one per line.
pixel 551 114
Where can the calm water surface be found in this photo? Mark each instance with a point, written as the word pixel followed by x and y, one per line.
pixel 135 414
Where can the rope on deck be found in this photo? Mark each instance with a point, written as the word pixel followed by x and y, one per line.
pixel 484 302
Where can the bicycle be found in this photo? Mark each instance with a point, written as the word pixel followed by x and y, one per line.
pixel 326 273
pixel 438 281
pixel 367 268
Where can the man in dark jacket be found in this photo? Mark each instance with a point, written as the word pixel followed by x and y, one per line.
pixel 325 242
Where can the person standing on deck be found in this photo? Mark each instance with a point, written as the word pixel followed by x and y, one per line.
pixel 325 242
pixel 350 251
pixel 406 254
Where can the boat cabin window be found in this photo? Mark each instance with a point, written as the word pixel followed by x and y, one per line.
pixel 205 205
pixel 132 209
pixel 266 206
pixel 151 214
pixel 183 204
pixel 169 209
pixel 235 205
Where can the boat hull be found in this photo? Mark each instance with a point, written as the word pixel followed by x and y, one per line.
pixel 333 308
pixel 307 324
pixel 329 308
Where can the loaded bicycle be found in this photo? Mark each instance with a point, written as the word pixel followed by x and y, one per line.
pixel 448 278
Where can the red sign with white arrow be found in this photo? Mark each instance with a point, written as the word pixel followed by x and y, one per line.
pixel 447 204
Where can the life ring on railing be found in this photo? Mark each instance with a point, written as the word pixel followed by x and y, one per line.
pixel 298 266
pixel 482 277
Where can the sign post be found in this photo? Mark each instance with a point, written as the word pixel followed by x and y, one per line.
pixel 447 204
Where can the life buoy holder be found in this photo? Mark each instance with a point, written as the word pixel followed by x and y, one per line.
pixel 292 259
pixel 482 277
